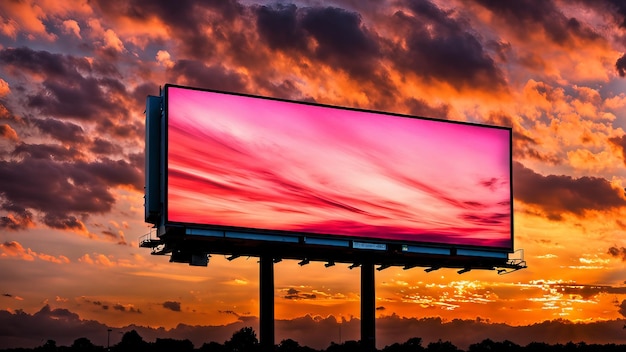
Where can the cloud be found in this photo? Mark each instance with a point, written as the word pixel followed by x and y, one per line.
pixel 4 88
pixel 559 194
pixel 112 41
pixel 620 65
pixel 16 219
pixel 340 37
pixel 24 330
pixel 72 27
pixel 294 294
pixel 622 308
pixel 620 144
pixel 164 58
pixel 74 189
pixel 614 8
pixel 618 252
pixel 279 27
pixel 198 74
pixel 27 17
pixel 172 305
pixel 442 48
pixel 8 295
pixel 16 250
pixel 63 131
pixel 91 85
pixel 9 133
pixel 529 16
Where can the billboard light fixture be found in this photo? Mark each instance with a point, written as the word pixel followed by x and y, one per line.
pixel 303 262
pixel 383 267
pixel 277 260
pixel 463 271
pixel 330 263
pixel 409 266
pixel 355 265
pixel 233 257
pixel 434 268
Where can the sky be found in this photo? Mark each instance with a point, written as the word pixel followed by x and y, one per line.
pixel 74 77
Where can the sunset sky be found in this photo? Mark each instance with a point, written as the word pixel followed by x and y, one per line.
pixel 74 76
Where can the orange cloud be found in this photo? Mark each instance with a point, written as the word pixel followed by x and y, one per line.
pixel 15 249
pixel 71 26
pixel 9 133
pixel 4 88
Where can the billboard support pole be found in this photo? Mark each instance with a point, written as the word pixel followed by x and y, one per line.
pixel 368 307
pixel 266 298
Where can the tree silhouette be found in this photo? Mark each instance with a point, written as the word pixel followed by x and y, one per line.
pixel 50 345
pixel 132 342
pixel 441 346
pixel 212 347
pixel 83 344
pixel 288 345
pixel 169 345
pixel 413 344
pixel 347 346
pixel 243 340
pixel 488 345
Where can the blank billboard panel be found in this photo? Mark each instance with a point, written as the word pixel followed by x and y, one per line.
pixel 267 165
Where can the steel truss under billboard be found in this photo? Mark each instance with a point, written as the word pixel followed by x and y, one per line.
pixel 247 175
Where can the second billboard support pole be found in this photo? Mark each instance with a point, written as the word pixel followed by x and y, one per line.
pixel 266 298
pixel 368 308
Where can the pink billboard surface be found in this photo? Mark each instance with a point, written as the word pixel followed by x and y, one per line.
pixel 257 163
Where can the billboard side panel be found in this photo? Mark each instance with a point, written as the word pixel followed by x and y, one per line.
pixel 237 161
pixel 153 158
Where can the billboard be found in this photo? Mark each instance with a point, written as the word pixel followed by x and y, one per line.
pixel 272 166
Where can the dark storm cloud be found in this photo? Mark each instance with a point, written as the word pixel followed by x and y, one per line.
pixel 124 309
pixel 614 8
pixel 63 191
pixel 172 305
pixel 441 47
pixel 342 39
pixel 43 62
pixel 620 65
pixel 523 15
pixel 618 252
pixel 46 151
pixel 63 131
pixel 198 74
pixel 279 27
pixel 292 293
pixel 622 308
pixel 71 87
pixel 114 172
pixel 420 107
pixel 620 143
pixel 104 147
pixel 184 19
pixel 558 194
pixel 140 93
pixel 17 219
pixel 327 37
pixel 63 222
pixel 84 98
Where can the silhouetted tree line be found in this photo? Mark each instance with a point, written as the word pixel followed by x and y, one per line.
pixel 245 340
